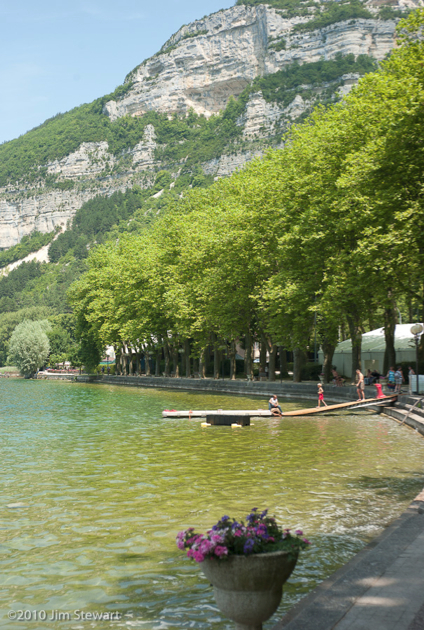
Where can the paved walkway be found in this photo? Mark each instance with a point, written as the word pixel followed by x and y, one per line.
pixel 381 588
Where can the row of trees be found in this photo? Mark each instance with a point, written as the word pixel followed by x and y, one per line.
pixel 323 234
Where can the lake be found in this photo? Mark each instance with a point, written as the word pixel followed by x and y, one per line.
pixel 106 484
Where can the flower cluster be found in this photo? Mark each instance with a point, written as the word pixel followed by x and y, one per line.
pixel 259 533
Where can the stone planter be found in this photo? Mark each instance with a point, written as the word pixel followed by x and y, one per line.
pixel 248 589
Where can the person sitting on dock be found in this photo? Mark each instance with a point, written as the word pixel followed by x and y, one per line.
pixel 337 379
pixel 274 407
pixel 360 386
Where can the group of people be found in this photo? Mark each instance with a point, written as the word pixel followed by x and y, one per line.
pixel 394 377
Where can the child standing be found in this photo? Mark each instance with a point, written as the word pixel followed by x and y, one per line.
pixel 321 396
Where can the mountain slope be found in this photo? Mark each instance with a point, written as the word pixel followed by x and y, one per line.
pixel 176 112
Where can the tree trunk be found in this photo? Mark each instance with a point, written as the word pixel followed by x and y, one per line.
pixel 262 353
pixel 202 365
pixel 158 359
pixel 283 361
pixel 328 349
pixel 195 366
pixel 147 362
pixel 216 356
pixel 175 360
pixel 389 334
pixel 167 357
pixel 233 363
pixel 187 358
pixel 355 330
pixel 272 357
pixel 298 362
pixel 248 356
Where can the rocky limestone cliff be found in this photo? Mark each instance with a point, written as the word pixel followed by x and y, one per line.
pixel 198 68
pixel 206 62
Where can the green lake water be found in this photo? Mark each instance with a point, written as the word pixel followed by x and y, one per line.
pixel 108 483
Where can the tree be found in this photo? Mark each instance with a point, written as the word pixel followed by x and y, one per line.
pixel 29 346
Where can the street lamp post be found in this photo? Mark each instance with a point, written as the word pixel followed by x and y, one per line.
pixel 417 330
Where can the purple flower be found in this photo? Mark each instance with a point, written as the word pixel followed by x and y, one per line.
pixel 264 513
pixel 248 546
pixel 298 532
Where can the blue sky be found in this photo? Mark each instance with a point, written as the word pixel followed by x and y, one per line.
pixel 56 54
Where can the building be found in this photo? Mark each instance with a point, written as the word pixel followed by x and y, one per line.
pixel 373 349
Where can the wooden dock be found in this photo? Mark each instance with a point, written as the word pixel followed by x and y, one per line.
pixel 356 404
pixel 264 413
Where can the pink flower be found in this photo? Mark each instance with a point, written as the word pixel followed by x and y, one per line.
pixel 199 557
pixel 205 546
pixel 180 544
pixel 217 539
pixel 221 551
pixel 237 533
pixel 305 540
pixel 298 532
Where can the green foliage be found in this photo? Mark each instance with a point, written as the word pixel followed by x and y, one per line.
pixel 94 219
pixel 389 13
pixel 63 344
pixel 311 372
pixel 16 281
pixel 67 184
pixel 288 8
pixel 277 46
pixel 335 12
pixel 29 346
pixel 9 321
pixel 282 86
pixel 29 243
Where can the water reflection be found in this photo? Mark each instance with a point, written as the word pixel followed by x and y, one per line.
pixel 108 483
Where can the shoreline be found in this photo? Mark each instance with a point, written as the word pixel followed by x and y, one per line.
pixel 286 389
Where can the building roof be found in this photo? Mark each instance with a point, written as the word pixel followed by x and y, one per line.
pixel 374 340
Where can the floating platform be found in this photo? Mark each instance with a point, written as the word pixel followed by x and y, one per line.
pixel 222 419
pixel 236 414
pixel 252 413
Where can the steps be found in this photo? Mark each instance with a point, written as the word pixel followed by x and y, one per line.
pixel 406 410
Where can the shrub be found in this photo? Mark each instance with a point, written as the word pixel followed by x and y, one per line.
pixel 29 346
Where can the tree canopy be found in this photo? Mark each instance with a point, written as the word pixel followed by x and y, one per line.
pixel 29 346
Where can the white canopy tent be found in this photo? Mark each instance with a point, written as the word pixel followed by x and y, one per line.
pixel 372 350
